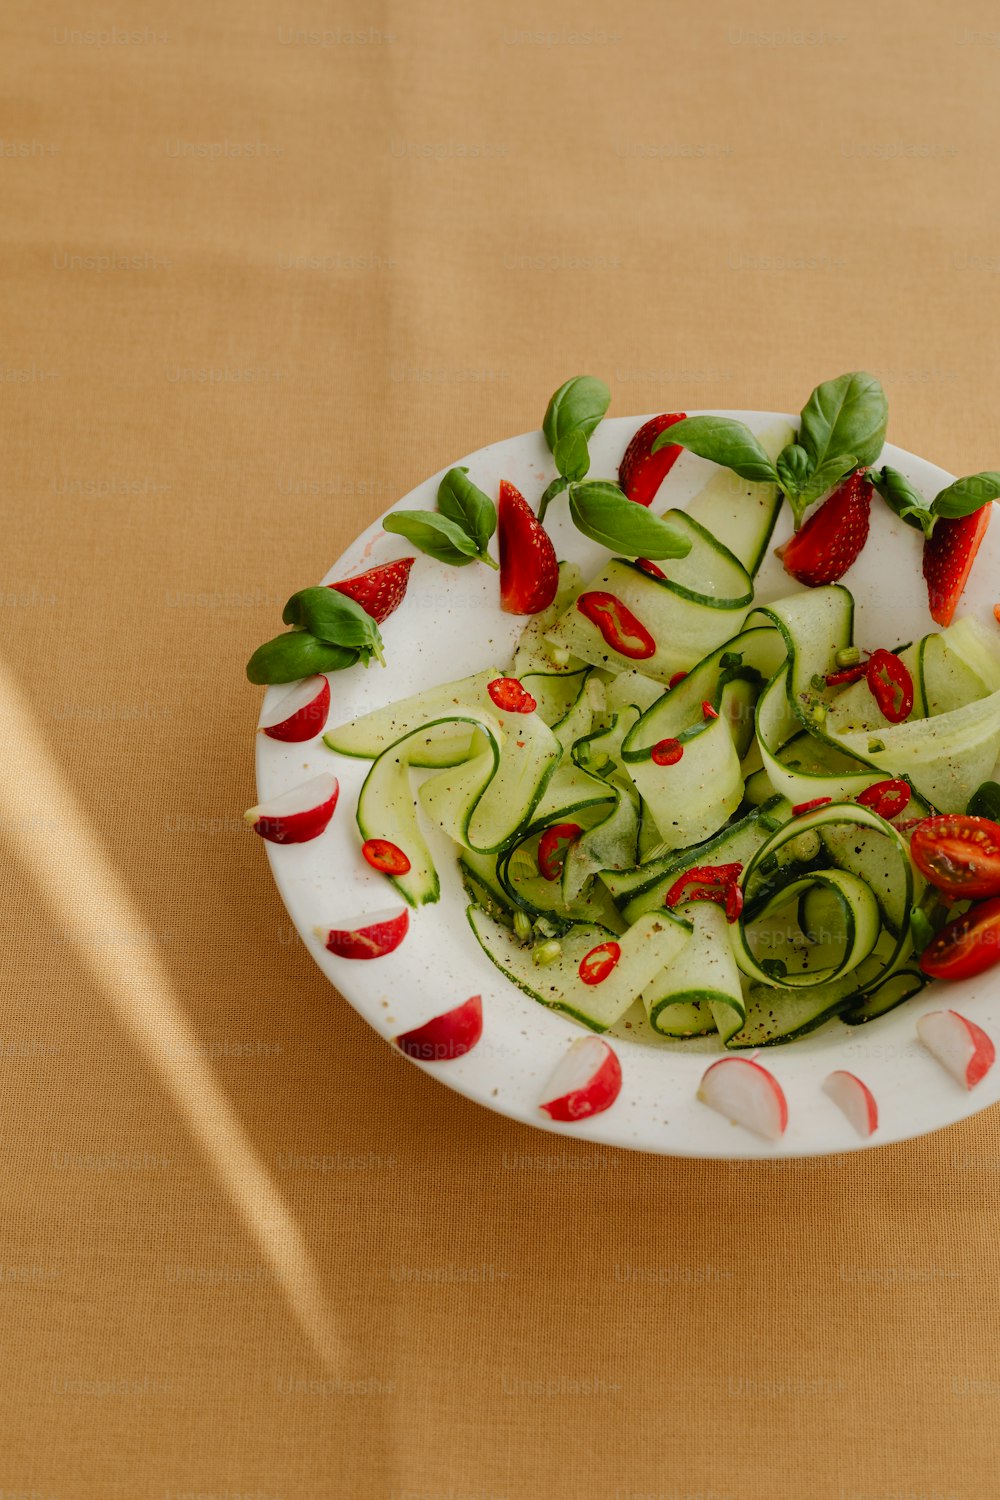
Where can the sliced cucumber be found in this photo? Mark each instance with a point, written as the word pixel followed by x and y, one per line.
pixel 704 974
pixel 386 810
pixel 691 799
pixel 740 510
pixel 946 680
pixel 646 947
pixel 533 652
pixel 855 708
pixel 369 735
pixel 978 648
pixel 556 693
pixel 484 803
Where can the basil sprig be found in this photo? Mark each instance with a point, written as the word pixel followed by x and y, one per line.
pixel 459 531
pixel 329 632
pixel 570 418
pixel 960 498
pixel 985 801
pixel 842 428
pixel 602 511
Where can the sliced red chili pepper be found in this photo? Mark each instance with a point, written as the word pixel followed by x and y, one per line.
pixel 849 674
pixel 709 883
pixel 887 798
pixel 891 685
pixel 650 568
pixel 388 858
pixel 709 711
pixel 596 965
pixel 510 695
pixel 959 854
pixel 552 848
pixel 618 625
pixel 666 752
pixel 677 677
pixel 804 807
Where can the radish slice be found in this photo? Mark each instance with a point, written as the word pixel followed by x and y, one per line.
pixel 855 1099
pixel 298 815
pixel 302 713
pixel 746 1094
pixel 369 937
pixel 586 1082
pixel 447 1036
pixel 958 1044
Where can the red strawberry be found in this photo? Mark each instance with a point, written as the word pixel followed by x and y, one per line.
pixel 380 590
pixel 831 539
pixel 641 472
pixel 529 573
pixel 949 553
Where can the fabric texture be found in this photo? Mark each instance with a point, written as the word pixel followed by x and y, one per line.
pixel 266 268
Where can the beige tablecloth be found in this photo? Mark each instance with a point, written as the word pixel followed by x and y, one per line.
pixel 265 268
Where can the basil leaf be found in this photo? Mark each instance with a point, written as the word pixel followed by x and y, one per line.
pixel 985 801
pixel 901 498
pixel 460 501
pixel 334 618
pixel 604 512
pixel 967 495
pixel 827 475
pixel 433 534
pixel 846 415
pixel 793 468
pixel 724 441
pixel 571 454
pixel 297 654
pixel 579 404
pixel 555 488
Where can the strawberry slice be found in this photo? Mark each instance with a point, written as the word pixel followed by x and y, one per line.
pixel 380 590
pixel 949 553
pixel 832 538
pixel 529 573
pixel 641 472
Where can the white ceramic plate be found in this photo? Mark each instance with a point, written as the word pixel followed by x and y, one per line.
pixel 451 624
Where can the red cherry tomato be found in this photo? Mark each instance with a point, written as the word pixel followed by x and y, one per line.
pixel 596 965
pixel 552 848
pixel 618 625
pixel 387 858
pixel 509 694
pixel 666 752
pixel 887 798
pixel 891 685
pixel 967 946
pixel 958 854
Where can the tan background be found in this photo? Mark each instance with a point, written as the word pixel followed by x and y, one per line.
pixel 244 1250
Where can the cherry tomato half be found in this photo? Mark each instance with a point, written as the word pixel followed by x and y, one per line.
pixel 958 854
pixel 618 625
pixel 967 946
pixel 552 848
pixel 596 965
pixel 385 857
pixel 891 685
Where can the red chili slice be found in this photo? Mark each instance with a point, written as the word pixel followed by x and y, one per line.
pixel 510 695
pixel 804 807
pixel 719 883
pixel 596 965
pixel 385 857
pixel 887 798
pixel 677 677
pixel 959 854
pixel 666 752
pixel 650 568
pixel 618 625
pixel 708 711
pixel 552 848
pixel 849 674
pixel 891 685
